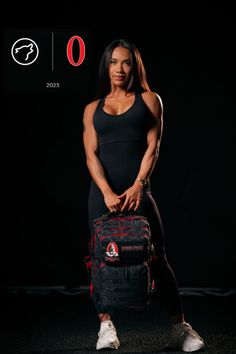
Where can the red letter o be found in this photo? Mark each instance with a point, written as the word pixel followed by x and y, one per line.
pixel 69 50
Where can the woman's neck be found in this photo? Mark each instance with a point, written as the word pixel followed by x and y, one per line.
pixel 119 93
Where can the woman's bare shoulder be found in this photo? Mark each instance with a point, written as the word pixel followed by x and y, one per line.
pixel 91 106
pixel 151 97
pixel 90 109
pixel 153 101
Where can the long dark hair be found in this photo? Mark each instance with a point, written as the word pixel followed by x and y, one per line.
pixel 138 80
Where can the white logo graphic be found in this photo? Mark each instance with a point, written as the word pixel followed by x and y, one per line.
pixel 112 250
pixel 24 51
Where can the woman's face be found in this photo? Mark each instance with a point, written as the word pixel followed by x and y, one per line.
pixel 120 67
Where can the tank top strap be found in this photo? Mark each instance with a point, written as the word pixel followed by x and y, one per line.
pixel 101 102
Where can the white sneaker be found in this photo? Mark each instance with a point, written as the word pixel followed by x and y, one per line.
pixel 107 336
pixel 184 338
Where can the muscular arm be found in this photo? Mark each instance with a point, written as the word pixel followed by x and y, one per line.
pixel 153 136
pixel 91 147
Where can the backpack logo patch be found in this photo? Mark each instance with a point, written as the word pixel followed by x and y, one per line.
pixel 112 252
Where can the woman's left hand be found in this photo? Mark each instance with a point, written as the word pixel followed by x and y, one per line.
pixel 132 197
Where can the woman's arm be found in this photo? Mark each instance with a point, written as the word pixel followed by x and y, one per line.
pixel 154 103
pixel 93 162
pixel 91 147
pixel 133 194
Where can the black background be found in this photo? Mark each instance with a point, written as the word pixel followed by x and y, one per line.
pixel 189 62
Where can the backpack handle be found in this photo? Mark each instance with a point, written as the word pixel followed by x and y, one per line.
pixel 115 213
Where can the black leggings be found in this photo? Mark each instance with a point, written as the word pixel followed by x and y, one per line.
pixel 167 288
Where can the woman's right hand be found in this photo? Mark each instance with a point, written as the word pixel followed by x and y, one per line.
pixel 112 202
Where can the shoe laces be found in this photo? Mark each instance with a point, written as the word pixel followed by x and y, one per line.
pixel 108 328
pixel 183 329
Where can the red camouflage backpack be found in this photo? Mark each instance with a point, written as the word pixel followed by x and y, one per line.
pixel 121 262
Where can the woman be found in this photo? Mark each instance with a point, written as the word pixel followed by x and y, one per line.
pixel 122 135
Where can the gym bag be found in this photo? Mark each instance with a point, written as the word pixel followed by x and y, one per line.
pixel 120 262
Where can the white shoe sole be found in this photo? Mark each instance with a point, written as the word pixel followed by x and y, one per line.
pixel 193 348
pixel 187 348
pixel 108 346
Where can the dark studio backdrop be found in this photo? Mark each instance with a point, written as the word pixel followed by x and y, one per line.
pixel 46 181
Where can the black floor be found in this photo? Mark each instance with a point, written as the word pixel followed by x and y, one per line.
pixel 67 324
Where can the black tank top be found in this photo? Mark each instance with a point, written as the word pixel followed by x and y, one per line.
pixel 122 141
